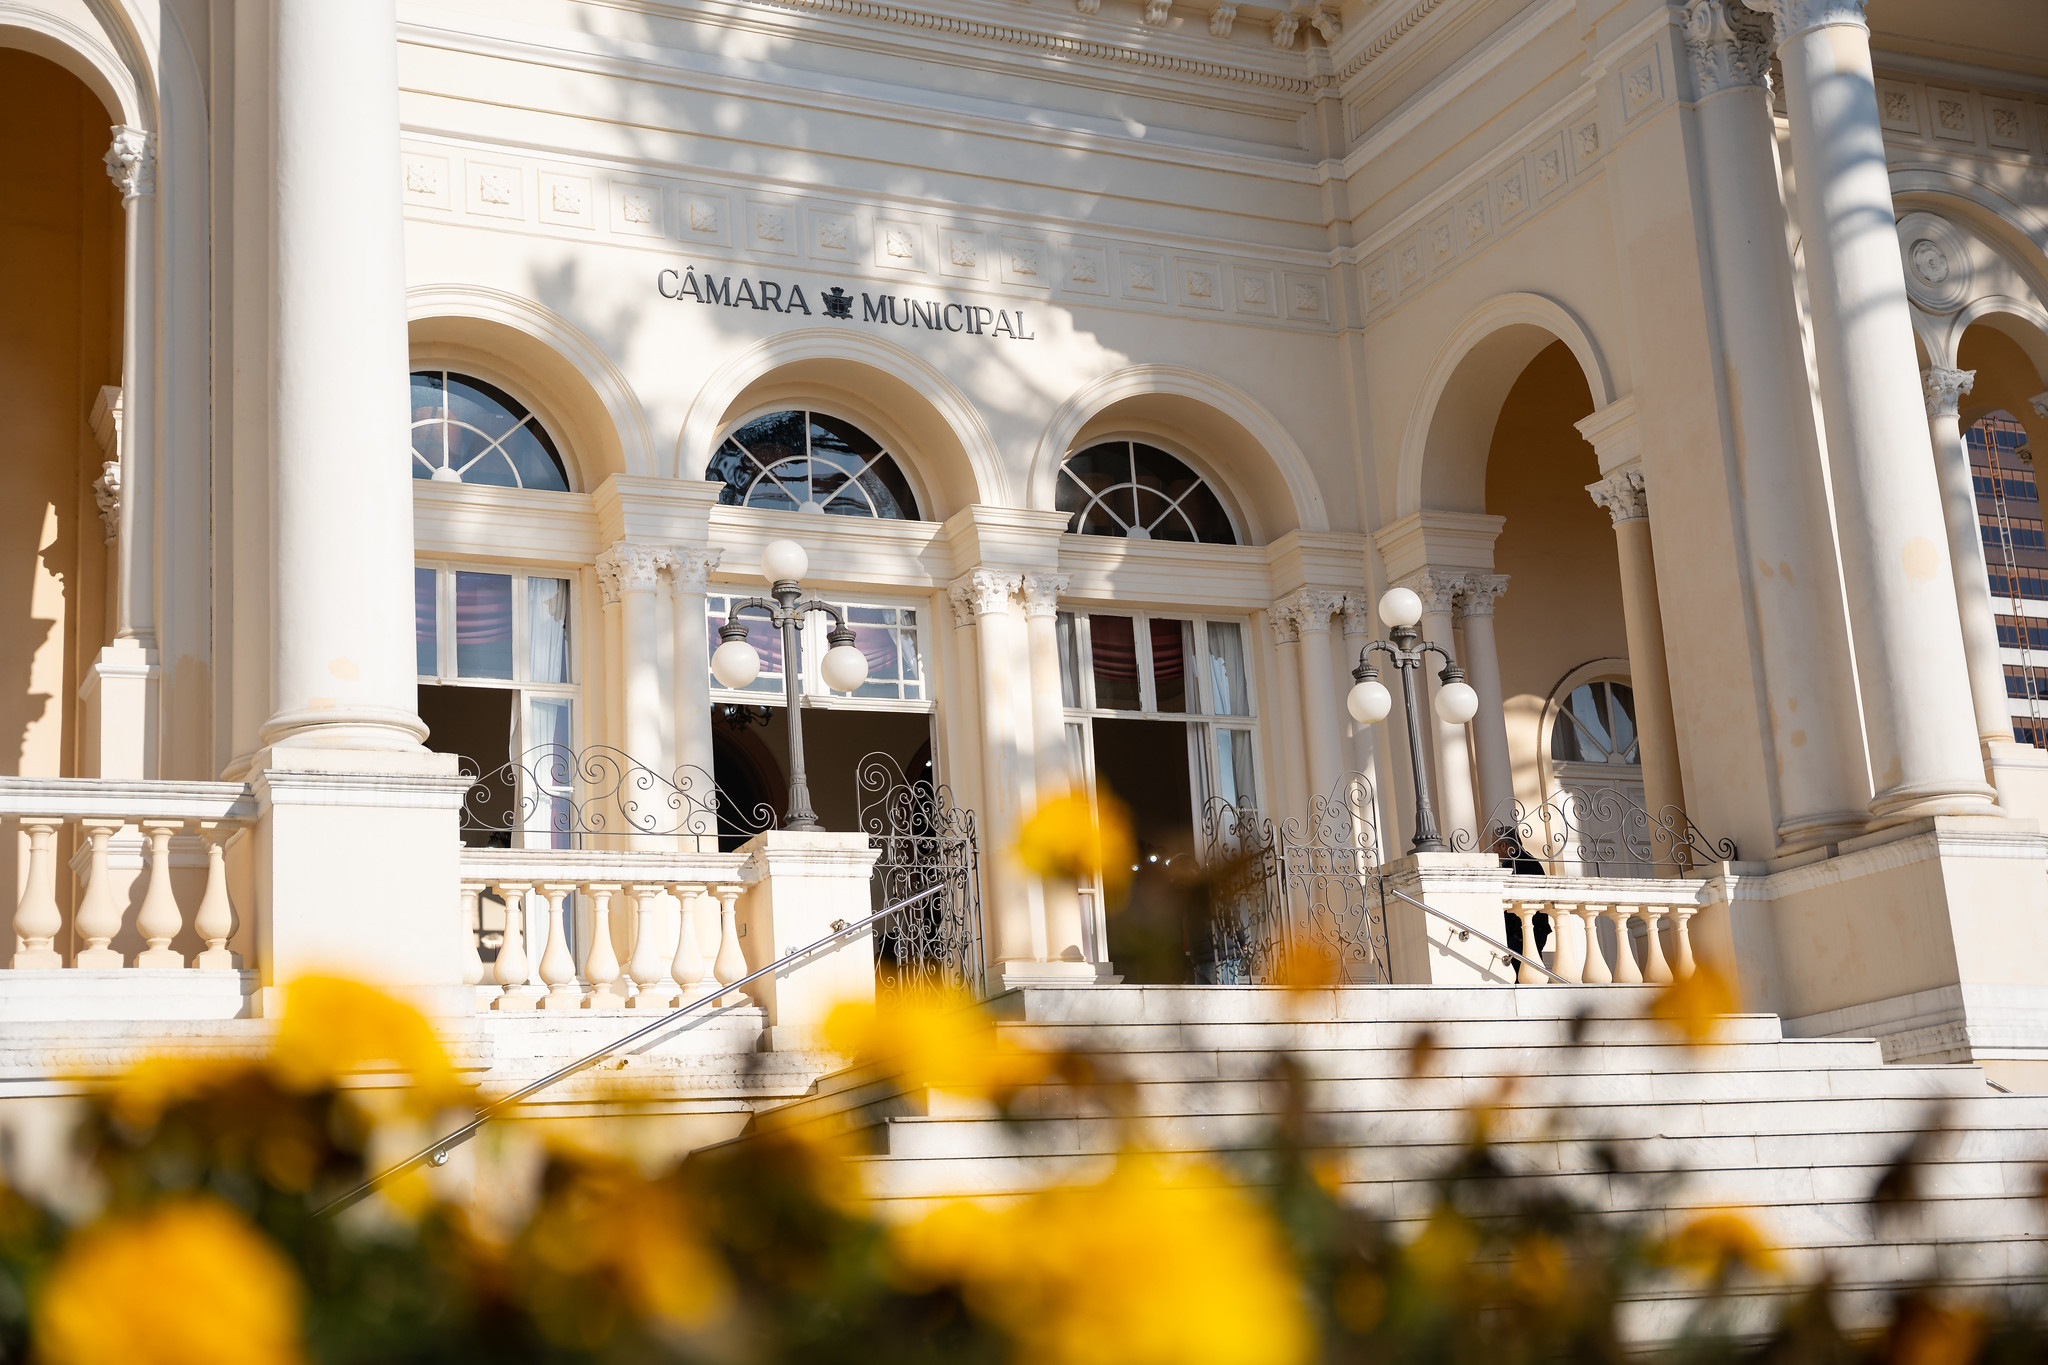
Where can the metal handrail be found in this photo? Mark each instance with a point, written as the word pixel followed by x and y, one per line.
pixel 437 1153
pixel 1465 930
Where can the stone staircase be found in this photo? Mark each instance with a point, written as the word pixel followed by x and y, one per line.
pixel 1797 1130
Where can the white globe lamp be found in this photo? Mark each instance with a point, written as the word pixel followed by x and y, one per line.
pixel 735 664
pixel 783 561
pixel 1400 607
pixel 844 667
pixel 1456 703
pixel 1369 702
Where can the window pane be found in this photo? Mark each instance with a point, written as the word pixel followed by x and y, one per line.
pixel 1170 664
pixel 483 625
pixel 1113 641
pixel 1070 659
pixel 552 821
pixel 766 640
pixel 533 455
pixel 1228 695
pixel 547 630
pixel 426 616
pixel 1234 768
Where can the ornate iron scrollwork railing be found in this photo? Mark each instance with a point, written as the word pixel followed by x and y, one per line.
pixel 598 797
pixel 1597 831
pixel 924 840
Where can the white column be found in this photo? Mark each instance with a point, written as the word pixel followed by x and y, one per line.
pixel 1918 720
pixel 1623 495
pixel 1310 610
pixel 1065 937
pixel 341 478
pixel 1290 738
pixel 981 599
pixel 1944 390
pixel 636 571
pixel 131 164
pixel 1358 630
pixel 1476 596
pixel 687 572
pixel 1456 808
pixel 1816 734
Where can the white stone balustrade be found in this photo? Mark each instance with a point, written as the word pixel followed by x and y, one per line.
pixel 149 883
pixel 1578 905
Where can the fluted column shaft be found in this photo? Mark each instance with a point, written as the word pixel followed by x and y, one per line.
pixel 1065 936
pixel 1918 721
pixel 1944 390
pixel 1795 581
pixel 1623 495
pixel 344 665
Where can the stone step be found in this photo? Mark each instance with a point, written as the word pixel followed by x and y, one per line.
pixel 1315 1036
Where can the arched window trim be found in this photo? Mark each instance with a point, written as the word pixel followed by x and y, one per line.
pixel 876 429
pixel 538 414
pixel 1593 670
pixel 1241 524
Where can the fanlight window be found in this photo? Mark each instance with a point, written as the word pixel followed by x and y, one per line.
pixel 1597 724
pixel 1139 492
pixel 467 431
pixel 811 462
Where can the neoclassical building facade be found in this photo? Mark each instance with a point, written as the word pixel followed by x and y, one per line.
pixel 396 395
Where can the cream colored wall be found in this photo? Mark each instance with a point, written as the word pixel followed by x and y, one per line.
pixel 1562 608
pixel 59 342
pixel 2006 378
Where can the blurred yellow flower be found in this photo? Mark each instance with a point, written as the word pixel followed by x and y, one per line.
pixel 1445 1247
pixel 140 1095
pixel 1065 838
pixel 1359 1299
pixel 1925 1333
pixel 937 1040
pixel 1540 1271
pixel 186 1283
pixel 334 1028
pixel 1307 965
pixel 1155 1266
pixel 1695 1006
pixel 1716 1242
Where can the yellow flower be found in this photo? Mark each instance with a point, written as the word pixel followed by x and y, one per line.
pixel 1152 1267
pixel 187 1283
pixel 941 1041
pixel 1925 1333
pixel 1540 1271
pixel 1694 1007
pixel 1359 1299
pixel 1717 1242
pixel 1306 965
pixel 1065 838
pixel 1445 1247
pixel 140 1095
pixel 334 1028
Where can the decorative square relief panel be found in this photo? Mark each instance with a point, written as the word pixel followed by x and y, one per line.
pixel 1024 260
pixel 1141 277
pixel 772 227
pixel 1086 270
pixel 1584 141
pixel 496 189
pixel 565 200
pixel 1548 169
pixel 1408 263
pixel 2005 123
pixel 1440 239
pixel 833 235
pixel 1475 218
pixel 897 246
pixel 1376 281
pixel 637 208
pixel 1898 107
pixel 1256 291
pixel 1307 297
pixel 704 216
pixel 963 253
pixel 1951 119
pixel 1510 192
pixel 1199 283
pixel 1642 85
pixel 425 180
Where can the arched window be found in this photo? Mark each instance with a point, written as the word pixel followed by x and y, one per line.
pixel 1139 492
pixel 804 461
pixel 467 431
pixel 1596 724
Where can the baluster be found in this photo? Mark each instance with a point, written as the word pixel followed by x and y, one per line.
pixel 688 967
pixel 731 962
pixel 472 960
pixel 601 965
pixel 1656 969
pixel 1568 933
pixel 649 972
pixel 1681 919
pixel 159 919
pixel 512 966
pixel 1625 970
pixel 1525 911
pixel 215 919
pixel 557 963
pixel 37 918
pixel 99 914
pixel 1596 972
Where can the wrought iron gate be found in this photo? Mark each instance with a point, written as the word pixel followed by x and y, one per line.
pixel 924 840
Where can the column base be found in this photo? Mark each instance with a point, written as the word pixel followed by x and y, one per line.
pixel 1929 801
pixel 1017 974
pixel 119 698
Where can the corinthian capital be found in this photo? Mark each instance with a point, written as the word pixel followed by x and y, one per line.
pixel 1794 17
pixel 1478 592
pixel 688 570
pixel 630 567
pixel 1944 390
pixel 1730 46
pixel 1309 609
pixel 1622 494
pixel 1438 588
pixel 131 162
pixel 1042 593
pixel 982 592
